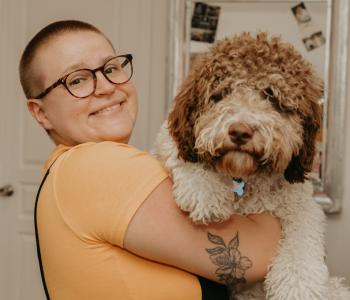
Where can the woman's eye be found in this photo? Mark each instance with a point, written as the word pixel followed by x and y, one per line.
pixel 76 81
pixel 111 69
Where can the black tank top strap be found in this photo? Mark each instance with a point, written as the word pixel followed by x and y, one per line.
pixel 37 233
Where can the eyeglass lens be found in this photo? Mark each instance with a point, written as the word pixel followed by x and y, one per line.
pixel 81 83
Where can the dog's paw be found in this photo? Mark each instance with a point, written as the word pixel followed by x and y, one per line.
pixel 204 205
pixel 205 195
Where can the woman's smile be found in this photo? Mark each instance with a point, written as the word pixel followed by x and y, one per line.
pixel 109 109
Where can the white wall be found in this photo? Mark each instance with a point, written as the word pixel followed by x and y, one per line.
pixel 338 231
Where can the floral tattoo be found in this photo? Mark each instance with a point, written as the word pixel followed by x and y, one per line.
pixel 232 265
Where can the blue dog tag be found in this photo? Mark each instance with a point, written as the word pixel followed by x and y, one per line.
pixel 238 186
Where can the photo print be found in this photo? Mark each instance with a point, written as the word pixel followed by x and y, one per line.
pixel 301 14
pixel 204 22
pixel 311 36
pixel 314 41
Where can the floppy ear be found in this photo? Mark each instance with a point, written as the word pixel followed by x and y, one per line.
pixel 182 118
pixel 189 103
pixel 301 164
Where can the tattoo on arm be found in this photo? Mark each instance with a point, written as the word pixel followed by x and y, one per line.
pixel 231 265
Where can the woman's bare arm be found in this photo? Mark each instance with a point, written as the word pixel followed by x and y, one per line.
pixel 241 247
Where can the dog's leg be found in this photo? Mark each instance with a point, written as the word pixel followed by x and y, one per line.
pixel 202 193
pixel 299 270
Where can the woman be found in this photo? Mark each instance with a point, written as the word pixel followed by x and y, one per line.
pixel 108 226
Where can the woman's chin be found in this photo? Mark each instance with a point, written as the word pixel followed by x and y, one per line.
pixel 119 132
pixel 120 137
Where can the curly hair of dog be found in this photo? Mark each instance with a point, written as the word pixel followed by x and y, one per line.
pixel 276 93
pixel 250 109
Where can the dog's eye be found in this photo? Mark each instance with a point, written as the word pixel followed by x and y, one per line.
pixel 275 102
pixel 268 92
pixel 217 97
pixel 271 97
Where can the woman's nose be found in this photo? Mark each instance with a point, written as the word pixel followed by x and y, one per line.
pixel 103 86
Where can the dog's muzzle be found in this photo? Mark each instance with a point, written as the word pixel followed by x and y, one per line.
pixel 240 133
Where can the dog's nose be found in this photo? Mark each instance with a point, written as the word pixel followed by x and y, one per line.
pixel 240 133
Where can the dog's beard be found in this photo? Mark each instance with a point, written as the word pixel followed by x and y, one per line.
pixel 237 164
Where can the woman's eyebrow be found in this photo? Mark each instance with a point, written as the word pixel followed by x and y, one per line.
pixel 73 68
pixel 82 65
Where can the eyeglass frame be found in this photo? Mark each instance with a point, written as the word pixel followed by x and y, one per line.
pixel 63 79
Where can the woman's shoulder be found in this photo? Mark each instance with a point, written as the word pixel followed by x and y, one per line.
pixel 106 146
pixel 90 157
pixel 101 151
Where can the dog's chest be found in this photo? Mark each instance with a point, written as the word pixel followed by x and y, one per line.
pixel 270 194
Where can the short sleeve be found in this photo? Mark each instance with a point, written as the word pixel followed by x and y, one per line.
pixel 98 188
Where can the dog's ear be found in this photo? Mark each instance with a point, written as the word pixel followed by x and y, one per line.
pixel 301 164
pixel 181 121
pixel 182 118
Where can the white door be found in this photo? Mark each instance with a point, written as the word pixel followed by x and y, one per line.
pixel 23 149
pixel 136 26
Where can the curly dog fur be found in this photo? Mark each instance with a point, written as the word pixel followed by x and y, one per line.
pixel 271 69
pixel 250 109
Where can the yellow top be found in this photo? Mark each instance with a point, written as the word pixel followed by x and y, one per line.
pixel 91 194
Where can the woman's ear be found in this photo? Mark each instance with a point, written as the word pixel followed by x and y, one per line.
pixel 37 109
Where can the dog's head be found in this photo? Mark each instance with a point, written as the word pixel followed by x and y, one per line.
pixel 250 104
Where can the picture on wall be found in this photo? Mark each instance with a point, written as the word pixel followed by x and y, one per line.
pixel 310 32
pixel 314 41
pixel 301 14
pixel 204 22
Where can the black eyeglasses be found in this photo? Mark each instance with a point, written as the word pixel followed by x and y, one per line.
pixel 82 83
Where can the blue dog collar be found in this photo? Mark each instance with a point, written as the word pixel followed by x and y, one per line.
pixel 238 186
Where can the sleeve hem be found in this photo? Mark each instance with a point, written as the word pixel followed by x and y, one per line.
pixel 136 200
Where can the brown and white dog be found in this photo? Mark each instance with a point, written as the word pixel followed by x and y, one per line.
pixel 249 109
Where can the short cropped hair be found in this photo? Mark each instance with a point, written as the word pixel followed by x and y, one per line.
pixel 30 81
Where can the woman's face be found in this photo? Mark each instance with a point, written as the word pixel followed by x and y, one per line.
pixel 108 114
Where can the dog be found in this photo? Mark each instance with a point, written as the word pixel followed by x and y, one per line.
pixel 249 111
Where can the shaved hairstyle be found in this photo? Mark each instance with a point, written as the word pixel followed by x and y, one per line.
pixel 31 81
